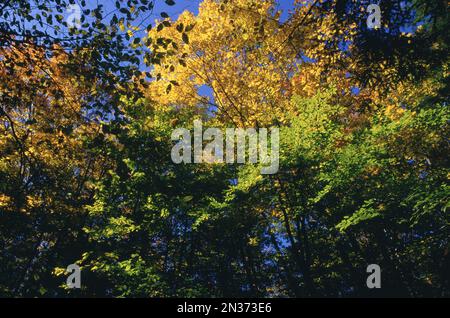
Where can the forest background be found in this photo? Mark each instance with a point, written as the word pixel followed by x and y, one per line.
pixel 86 116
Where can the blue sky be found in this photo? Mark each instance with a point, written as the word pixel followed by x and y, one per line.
pixel 191 5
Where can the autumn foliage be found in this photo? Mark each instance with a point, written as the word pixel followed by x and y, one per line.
pixel 86 175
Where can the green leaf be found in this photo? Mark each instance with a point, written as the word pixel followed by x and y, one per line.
pixel 185 38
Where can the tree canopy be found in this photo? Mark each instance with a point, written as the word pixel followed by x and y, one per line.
pixel 86 175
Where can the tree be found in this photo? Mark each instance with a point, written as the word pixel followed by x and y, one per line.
pixel 86 174
pixel 46 164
